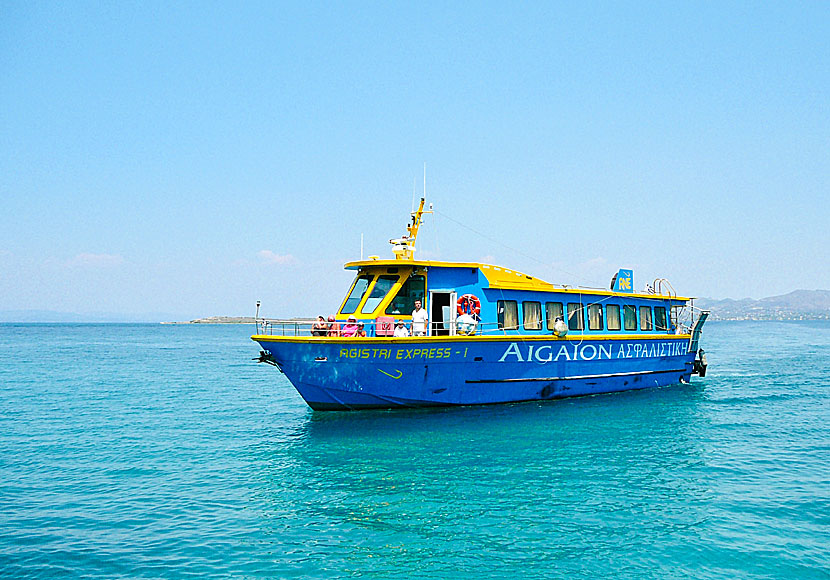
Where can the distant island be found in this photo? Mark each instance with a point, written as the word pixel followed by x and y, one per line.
pixel 234 320
pixel 218 320
pixel 797 305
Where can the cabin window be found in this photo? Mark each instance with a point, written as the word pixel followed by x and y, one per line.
pixel 508 314
pixel 612 314
pixel 381 288
pixel 595 317
pixel 645 317
pixel 660 318
pixel 404 300
pixel 553 310
pixel 575 321
pixel 356 295
pixel 532 312
pixel 676 313
pixel 630 316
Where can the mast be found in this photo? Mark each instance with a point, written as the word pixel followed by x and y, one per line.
pixel 404 247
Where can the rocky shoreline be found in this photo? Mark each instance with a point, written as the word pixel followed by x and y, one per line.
pixel 218 320
pixel 234 320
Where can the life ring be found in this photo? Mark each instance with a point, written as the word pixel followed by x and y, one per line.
pixel 469 304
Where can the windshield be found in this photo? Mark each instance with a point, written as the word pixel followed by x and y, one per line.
pixel 381 288
pixel 356 295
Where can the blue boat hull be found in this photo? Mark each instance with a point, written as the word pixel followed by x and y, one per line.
pixel 340 374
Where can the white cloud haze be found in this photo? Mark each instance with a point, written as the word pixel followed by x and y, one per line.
pixel 270 257
pixel 88 260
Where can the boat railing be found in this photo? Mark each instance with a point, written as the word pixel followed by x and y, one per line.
pixel 304 327
pixel 278 327
pixel 685 318
pixel 663 287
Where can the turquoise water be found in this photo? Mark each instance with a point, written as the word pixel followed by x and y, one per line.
pixel 149 451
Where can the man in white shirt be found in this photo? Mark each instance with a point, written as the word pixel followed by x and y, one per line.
pixel 401 329
pixel 420 321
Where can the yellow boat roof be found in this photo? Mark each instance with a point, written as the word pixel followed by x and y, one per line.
pixel 499 277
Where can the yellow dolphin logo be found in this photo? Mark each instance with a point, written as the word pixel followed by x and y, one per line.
pixel 400 374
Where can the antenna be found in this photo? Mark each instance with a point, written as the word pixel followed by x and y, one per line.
pixel 425 180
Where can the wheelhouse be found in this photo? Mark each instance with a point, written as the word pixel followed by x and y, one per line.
pixel 382 291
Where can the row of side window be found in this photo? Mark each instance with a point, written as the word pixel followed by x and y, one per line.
pixel 615 317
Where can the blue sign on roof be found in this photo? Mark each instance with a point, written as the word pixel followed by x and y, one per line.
pixel 624 281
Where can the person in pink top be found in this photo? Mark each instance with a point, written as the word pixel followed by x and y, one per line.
pixel 350 328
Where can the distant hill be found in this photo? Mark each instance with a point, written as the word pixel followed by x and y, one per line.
pixel 797 305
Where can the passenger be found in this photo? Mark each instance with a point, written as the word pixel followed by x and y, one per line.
pixel 400 329
pixel 334 327
pixel 360 332
pixel 319 328
pixel 419 320
pixel 559 327
pixel 350 328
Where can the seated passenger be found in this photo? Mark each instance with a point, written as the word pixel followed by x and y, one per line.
pixel 350 328
pixel 361 333
pixel 319 328
pixel 400 329
pixel 334 327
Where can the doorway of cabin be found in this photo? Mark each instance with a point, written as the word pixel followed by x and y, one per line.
pixel 441 312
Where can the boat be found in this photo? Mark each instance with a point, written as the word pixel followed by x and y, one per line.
pixel 491 335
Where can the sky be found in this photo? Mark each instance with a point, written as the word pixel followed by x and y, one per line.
pixel 175 160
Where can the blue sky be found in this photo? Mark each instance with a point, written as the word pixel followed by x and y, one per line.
pixel 191 159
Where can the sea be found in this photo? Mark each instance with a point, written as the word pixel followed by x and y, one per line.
pixel 166 451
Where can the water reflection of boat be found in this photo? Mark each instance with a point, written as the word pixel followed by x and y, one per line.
pixel 493 335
